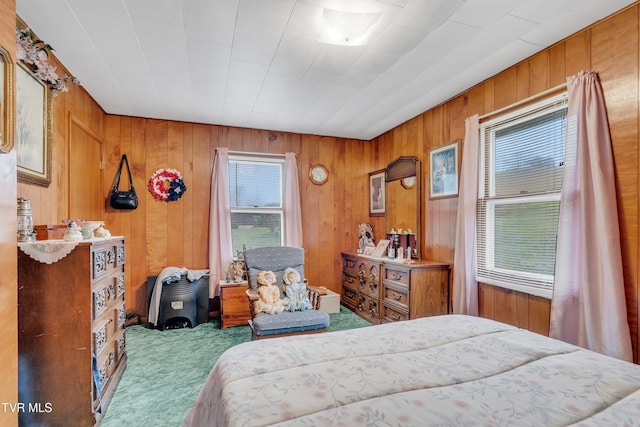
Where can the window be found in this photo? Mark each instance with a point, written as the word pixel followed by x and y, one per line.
pixel 257 206
pixel 520 183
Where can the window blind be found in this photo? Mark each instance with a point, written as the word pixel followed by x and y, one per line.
pixel 522 155
pixel 256 193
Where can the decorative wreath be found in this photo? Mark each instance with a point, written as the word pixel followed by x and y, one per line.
pixel 166 185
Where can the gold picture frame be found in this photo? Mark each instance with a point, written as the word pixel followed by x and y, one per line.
pixel 6 101
pixel 33 128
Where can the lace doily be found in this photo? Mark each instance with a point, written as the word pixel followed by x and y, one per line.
pixel 47 251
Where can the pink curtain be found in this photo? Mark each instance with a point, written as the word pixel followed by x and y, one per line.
pixel 220 252
pixel 465 287
pixel 588 307
pixel 293 214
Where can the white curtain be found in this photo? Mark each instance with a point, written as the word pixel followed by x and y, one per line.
pixel 293 213
pixel 220 253
pixel 588 307
pixel 465 286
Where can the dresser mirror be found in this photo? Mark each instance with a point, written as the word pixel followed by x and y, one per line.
pixel 403 192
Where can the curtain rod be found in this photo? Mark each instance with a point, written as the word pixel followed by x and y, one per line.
pixel 254 153
pixel 524 101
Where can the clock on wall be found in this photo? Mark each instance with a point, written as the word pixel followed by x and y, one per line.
pixel 408 182
pixel 318 174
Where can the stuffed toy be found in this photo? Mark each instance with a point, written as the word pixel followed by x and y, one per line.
pixel 269 294
pixel 296 291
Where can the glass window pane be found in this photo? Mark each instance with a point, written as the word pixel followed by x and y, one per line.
pixel 255 229
pixel 525 236
pixel 254 184
pixel 529 155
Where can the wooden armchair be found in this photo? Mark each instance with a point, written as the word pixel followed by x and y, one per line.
pixel 277 259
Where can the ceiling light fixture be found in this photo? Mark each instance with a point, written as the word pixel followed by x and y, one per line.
pixel 347 28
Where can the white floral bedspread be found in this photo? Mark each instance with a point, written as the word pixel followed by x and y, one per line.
pixel 446 370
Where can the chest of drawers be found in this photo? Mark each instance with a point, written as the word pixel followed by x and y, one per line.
pixel 387 291
pixel 71 336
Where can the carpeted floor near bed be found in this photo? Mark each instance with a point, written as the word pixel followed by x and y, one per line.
pixel 166 369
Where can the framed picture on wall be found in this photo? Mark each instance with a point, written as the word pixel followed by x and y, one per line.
pixel 376 193
pixel 443 171
pixel 6 101
pixel 33 128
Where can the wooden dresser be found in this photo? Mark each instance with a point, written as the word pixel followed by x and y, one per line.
pixel 69 311
pixel 381 290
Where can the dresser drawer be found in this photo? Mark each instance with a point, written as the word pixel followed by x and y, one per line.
pixel 107 258
pixel 107 362
pixel 105 291
pixel 349 262
pixel 368 308
pixel 121 345
pixel 394 314
pixel 397 275
pixel 101 337
pixel 349 281
pixel 120 315
pixel 102 366
pixel 100 297
pixel 369 279
pixel 397 295
pixel 349 295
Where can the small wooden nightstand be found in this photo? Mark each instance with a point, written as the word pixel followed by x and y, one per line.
pixel 234 305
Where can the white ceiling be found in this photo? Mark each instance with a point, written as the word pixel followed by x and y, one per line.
pixel 260 64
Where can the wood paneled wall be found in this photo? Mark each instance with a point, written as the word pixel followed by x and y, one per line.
pixel 612 48
pixel 8 256
pixel 163 234
pixel 160 234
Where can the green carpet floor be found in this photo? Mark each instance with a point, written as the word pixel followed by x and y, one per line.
pixel 166 369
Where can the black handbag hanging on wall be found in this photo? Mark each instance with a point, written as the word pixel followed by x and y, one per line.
pixel 119 199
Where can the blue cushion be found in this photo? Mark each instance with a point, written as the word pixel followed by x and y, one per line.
pixel 290 321
pixel 276 259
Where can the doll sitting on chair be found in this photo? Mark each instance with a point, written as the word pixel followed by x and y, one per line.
pixel 296 291
pixel 269 294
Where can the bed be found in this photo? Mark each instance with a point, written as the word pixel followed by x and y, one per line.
pixel 444 370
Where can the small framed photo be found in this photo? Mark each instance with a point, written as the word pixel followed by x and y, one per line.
pixel 376 193
pixel 381 248
pixel 443 170
pixel 368 250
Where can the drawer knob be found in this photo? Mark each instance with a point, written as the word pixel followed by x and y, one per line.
pixel 396 276
pixel 395 316
pixel 361 277
pixel 397 297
